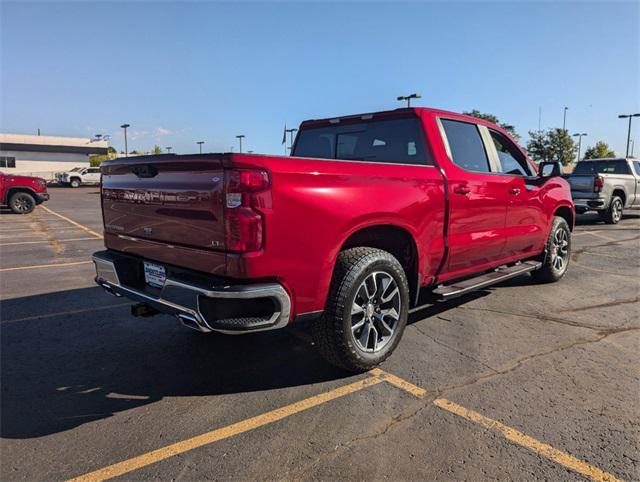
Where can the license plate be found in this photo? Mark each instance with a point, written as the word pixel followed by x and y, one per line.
pixel 154 274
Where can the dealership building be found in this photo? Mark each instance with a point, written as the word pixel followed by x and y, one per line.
pixel 43 156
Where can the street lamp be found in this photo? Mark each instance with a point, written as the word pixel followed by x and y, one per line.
pixel 168 148
pixel 291 131
pixel 564 119
pixel 579 136
pixel 126 149
pixel 200 145
pixel 409 97
pixel 624 116
pixel 240 137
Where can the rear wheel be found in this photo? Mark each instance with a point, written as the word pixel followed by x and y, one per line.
pixel 366 310
pixel 558 253
pixel 22 203
pixel 613 215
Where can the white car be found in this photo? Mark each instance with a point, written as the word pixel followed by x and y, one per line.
pixel 78 176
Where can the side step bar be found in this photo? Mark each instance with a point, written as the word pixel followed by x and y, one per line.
pixel 459 288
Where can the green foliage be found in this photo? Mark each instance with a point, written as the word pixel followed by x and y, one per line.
pixel 156 150
pixel 492 118
pixel 600 151
pixel 95 161
pixel 553 145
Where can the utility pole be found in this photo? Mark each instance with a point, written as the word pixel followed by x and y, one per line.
pixel 126 148
pixel 579 136
pixel 409 97
pixel 624 116
pixel 240 137
pixel 291 131
pixel 564 119
pixel 200 144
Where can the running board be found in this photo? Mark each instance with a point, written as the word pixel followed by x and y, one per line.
pixel 459 288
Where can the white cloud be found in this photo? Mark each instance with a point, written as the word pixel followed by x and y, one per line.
pixel 161 132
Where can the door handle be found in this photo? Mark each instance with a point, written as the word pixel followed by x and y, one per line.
pixel 461 189
pixel 514 190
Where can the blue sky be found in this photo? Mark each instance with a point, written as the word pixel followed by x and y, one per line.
pixel 181 72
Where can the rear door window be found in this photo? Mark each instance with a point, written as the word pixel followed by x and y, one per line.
pixel 466 146
pixel 398 141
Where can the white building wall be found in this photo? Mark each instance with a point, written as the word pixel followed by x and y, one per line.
pixel 43 164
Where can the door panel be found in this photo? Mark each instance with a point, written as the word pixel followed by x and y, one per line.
pixel 477 200
pixel 526 222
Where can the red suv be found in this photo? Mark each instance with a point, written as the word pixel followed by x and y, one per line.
pixel 22 193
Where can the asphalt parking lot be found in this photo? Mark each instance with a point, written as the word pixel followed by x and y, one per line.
pixel 521 381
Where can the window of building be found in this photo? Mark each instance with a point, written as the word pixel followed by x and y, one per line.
pixel 7 161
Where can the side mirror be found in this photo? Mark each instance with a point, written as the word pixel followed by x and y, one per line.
pixel 550 169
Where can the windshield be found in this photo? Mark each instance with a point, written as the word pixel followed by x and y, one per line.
pixel 612 166
pixel 397 141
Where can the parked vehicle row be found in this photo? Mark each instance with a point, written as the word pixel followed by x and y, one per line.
pixel 22 193
pixel 371 216
pixel 607 186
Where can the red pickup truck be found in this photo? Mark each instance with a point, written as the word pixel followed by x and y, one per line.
pixel 371 216
pixel 22 193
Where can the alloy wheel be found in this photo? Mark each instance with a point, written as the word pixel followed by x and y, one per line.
pixel 560 250
pixel 375 312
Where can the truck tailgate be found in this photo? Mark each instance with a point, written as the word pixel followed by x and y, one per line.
pixel 162 198
pixel 581 183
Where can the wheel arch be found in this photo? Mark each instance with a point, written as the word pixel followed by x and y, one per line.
pixel 395 240
pixel 567 214
pixel 619 191
pixel 13 190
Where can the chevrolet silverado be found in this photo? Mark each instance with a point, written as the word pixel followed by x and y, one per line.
pixel 370 217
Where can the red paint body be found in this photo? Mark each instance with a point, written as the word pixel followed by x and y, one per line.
pixel 9 184
pixel 461 222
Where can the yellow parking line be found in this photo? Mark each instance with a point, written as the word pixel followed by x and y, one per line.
pixel 53 265
pixel 400 383
pixel 48 241
pixel 84 228
pixel 541 448
pixel 177 448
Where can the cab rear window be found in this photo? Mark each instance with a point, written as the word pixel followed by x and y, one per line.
pixel 396 141
pixel 602 167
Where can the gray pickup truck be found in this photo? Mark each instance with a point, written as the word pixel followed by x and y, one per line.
pixel 607 186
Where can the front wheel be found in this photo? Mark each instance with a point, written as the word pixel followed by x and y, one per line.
pixel 557 253
pixel 366 311
pixel 22 203
pixel 75 183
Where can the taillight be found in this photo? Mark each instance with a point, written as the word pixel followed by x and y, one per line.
pixel 243 223
pixel 598 184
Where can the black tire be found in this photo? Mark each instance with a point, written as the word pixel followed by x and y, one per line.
pixel 22 203
pixel 75 182
pixel 551 271
pixel 337 341
pixel 613 214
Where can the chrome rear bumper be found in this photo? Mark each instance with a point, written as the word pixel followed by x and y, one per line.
pixel 188 300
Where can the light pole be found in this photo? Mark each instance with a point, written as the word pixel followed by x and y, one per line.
pixel 564 119
pixel 291 131
pixel 168 148
pixel 240 137
pixel 624 116
pixel 200 145
pixel 579 136
pixel 409 97
pixel 126 149
pixel 633 143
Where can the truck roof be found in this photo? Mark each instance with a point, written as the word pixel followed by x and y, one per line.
pixel 386 114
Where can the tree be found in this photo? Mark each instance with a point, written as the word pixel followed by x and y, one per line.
pixel 95 161
pixel 600 151
pixel 492 118
pixel 156 150
pixel 554 145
